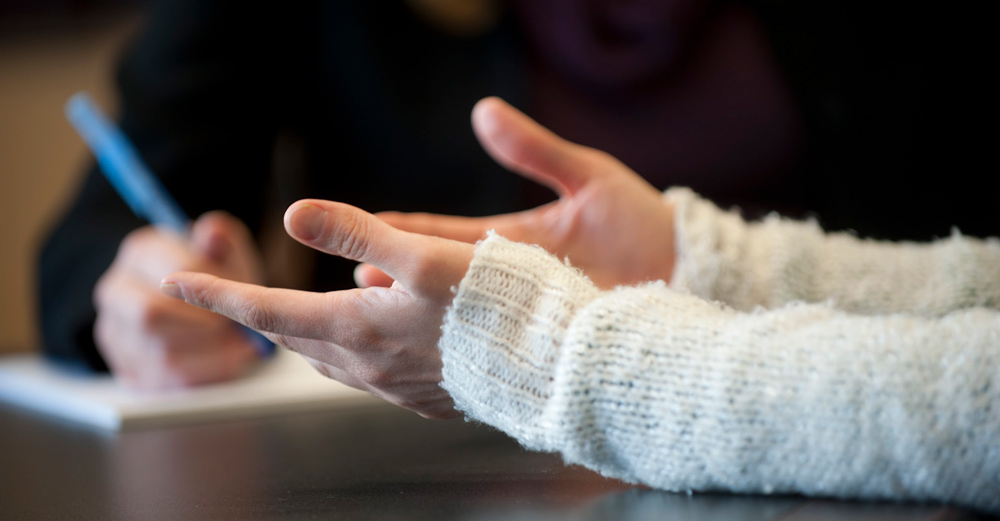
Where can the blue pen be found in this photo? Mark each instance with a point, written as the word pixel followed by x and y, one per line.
pixel 140 189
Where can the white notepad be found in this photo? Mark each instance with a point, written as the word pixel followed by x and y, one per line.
pixel 286 383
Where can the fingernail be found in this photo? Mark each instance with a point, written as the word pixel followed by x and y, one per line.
pixel 357 276
pixel 485 120
pixel 307 222
pixel 172 290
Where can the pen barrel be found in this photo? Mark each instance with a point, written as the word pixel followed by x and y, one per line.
pixel 141 190
pixel 123 167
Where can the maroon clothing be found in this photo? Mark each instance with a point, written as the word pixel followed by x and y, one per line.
pixel 684 92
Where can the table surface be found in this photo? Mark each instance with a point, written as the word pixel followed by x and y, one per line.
pixel 370 462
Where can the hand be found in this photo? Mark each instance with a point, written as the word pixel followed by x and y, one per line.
pixel 380 339
pixel 151 341
pixel 610 222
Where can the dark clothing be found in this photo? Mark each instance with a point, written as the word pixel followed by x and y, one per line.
pixel 770 106
pixel 373 104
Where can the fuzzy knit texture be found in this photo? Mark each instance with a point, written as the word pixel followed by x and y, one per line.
pixel 779 359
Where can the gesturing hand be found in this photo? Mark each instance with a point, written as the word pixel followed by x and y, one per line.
pixel 380 339
pixel 609 221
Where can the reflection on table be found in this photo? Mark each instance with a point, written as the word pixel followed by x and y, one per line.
pixel 372 462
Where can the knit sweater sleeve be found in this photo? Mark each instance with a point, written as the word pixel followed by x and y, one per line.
pixel 660 387
pixel 777 261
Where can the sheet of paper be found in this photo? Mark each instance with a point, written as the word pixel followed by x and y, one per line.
pixel 286 383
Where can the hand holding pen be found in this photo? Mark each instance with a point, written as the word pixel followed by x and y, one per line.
pixel 148 340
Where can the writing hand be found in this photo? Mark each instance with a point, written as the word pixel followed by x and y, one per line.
pixel 379 339
pixel 609 221
pixel 151 341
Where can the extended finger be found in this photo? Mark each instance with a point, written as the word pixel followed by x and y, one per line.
pixel 522 145
pixel 137 305
pixel 464 229
pixel 293 313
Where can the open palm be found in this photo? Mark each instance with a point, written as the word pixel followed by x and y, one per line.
pixel 608 221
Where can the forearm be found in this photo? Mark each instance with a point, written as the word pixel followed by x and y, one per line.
pixel 777 261
pixel 669 390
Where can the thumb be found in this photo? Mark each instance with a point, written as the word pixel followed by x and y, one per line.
pixel 416 261
pixel 212 235
pixel 224 241
pixel 522 145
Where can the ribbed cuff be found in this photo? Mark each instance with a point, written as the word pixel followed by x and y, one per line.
pixel 503 332
pixel 710 250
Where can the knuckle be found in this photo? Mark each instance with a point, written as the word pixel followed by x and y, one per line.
pixel 207 292
pixel 352 236
pixel 257 315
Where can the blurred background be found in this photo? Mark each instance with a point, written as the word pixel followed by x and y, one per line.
pixel 886 99
pixel 49 49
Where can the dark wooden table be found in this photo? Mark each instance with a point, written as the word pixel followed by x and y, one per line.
pixel 375 462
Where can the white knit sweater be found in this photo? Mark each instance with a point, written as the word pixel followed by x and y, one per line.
pixel 779 359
